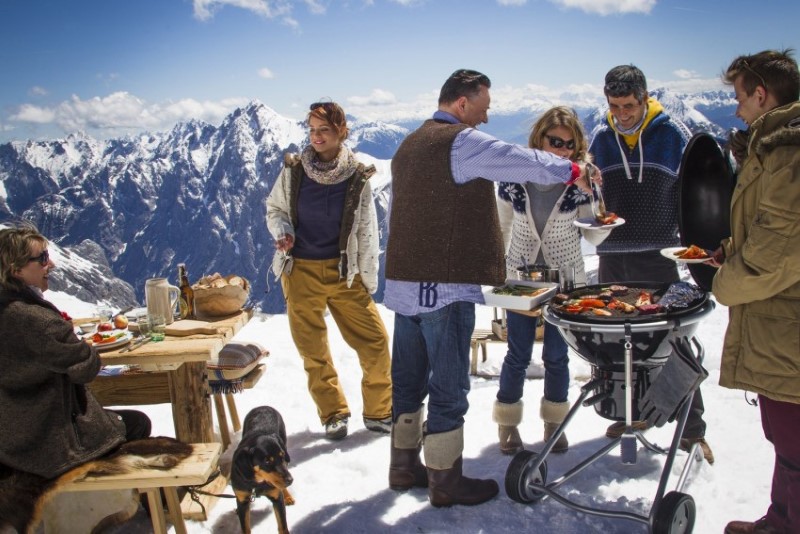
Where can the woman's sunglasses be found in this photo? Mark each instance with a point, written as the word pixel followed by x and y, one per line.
pixel 557 142
pixel 42 258
pixel 327 106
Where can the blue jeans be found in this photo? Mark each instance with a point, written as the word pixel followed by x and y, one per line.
pixel 431 358
pixel 521 337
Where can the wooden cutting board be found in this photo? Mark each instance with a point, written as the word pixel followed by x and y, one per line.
pixel 188 327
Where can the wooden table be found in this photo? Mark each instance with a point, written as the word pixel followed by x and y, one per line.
pixel 173 371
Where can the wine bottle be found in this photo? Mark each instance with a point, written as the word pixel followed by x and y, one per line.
pixel 186 301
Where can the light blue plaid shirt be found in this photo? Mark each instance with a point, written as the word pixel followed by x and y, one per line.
pixel 475 154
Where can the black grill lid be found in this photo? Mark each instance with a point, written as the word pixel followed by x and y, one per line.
pixel 706 183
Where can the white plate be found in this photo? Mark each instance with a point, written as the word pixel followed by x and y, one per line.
pixel 669 252
pixel 134 313
pixel 591 222
pixel 512 302
pixel 124 340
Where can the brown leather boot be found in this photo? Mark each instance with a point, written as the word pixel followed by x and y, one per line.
pixel 508 417
pixel 447 487
pixel 405 468
pixel 747 527
pixel 553 414
pixel 446 483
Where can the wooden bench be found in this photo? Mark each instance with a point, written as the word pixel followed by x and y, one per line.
pixel 497 334
pixel 194 470
pixel 480 337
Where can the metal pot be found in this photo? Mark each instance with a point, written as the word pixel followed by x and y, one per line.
pixel 536 273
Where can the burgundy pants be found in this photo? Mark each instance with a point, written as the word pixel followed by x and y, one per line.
pixel 781 423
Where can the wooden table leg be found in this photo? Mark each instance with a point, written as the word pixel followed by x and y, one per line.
pixel 191 405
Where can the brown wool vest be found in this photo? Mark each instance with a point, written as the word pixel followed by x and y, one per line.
pixel 440 231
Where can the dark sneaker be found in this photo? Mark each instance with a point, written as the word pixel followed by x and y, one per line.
pixel 686 444
pixel 747 527
pixel 336 429
pixel 615 430
pixel 383 426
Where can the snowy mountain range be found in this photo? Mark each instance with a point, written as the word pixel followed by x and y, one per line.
pixel 196 194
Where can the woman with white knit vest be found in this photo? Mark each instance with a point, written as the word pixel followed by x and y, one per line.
pixel 537 224
pixel 322 216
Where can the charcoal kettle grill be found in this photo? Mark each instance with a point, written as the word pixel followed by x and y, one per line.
pixel 627 354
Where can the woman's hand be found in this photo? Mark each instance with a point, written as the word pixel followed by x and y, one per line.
pixel 284 243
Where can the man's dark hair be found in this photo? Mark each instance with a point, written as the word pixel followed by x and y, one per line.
pixel 774 70
pixel 463 82
pixel 625 80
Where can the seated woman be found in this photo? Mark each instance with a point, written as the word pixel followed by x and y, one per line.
pixel 49 421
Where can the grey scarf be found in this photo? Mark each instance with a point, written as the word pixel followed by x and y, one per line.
pixel 329 172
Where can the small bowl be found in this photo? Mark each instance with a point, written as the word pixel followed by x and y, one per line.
pixel 88 328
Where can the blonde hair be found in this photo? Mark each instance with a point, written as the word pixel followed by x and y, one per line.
pixel 15 253
pixel 561 116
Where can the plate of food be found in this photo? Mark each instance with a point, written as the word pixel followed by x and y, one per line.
pixel 109 340
pixel 690 254
pixel 609 221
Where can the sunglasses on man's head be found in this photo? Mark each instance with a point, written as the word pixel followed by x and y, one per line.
pixel 42 258
pixel 557 142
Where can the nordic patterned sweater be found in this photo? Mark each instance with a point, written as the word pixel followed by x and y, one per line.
pixel 649 207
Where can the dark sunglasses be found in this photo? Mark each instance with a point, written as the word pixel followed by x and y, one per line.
pixel 557 142
pixel 42 258
pixel 327 106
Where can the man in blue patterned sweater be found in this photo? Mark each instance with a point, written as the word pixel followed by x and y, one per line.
pixel 638 150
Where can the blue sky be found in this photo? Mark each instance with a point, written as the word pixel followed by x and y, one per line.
pixel 111 67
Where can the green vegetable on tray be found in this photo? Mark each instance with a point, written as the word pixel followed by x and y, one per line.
pixel 519 291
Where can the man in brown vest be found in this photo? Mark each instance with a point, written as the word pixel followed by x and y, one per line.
pixel 444 243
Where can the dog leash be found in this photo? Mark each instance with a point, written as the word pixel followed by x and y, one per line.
pixel 195 491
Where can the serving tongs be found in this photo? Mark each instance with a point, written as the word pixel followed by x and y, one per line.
pixel 598 203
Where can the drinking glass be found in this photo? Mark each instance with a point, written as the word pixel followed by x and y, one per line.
pixel 566 277
pixel 158 326
pixel 104 314
pixel 143 322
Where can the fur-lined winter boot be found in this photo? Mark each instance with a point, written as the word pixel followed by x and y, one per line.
pixel 553 414
pixel 508 417
pixel 446 483
pixel 405 468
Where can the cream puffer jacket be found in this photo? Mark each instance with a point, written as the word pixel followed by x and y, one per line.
pixel 363 246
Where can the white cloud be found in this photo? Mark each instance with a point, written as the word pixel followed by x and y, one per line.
pixel 512 2
pixel 684 74
pixel 205 9
pixel 37 91
pixel 265 73
pixel 378 97
pixel 35 114
pixel 123 113
pixel 609 7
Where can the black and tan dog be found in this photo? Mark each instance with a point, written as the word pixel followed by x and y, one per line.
pixel 259 466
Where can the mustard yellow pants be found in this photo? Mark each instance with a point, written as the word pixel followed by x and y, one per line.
pixel 313 286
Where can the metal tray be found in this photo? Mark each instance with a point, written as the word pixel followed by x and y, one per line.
pixel 520 303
